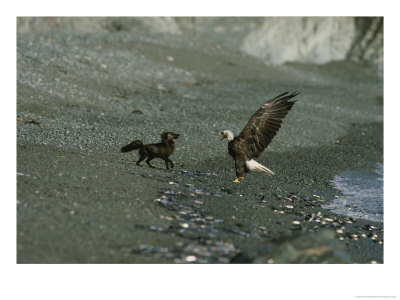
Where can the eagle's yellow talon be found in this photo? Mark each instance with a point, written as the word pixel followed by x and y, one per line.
pixel 237 179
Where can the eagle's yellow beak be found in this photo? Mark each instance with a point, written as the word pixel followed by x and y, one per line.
pixel 223 135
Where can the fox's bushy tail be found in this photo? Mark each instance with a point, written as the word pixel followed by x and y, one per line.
pixel 132 146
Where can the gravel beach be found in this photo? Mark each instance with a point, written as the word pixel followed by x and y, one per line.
pixel 82 96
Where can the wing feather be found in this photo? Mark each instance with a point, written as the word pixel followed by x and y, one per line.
pixel 265 123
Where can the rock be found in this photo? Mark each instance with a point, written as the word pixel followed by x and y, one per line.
pixel 137 111
pixel 319 247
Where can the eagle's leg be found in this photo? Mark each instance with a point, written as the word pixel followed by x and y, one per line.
pixel 240 170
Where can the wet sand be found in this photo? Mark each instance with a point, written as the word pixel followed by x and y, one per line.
pixel 79 200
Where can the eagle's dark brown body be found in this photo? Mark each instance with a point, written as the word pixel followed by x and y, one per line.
pixel 161 150
pixel 236 149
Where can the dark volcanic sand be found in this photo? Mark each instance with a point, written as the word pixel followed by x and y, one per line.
pixel 79 200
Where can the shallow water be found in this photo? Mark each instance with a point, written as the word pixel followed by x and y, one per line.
pixel 362 194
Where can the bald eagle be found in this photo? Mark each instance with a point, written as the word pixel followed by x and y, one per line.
pixel 257 134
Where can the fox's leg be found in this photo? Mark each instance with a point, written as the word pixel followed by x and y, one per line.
pixel 148 162
pixel 170 162
pixel 141 158
pixel 166 163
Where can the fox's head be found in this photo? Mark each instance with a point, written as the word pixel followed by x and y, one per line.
pixel 168 135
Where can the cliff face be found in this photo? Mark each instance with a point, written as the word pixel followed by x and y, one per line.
pixel 318 40
pixel 276 40
pixel 310 40
pixel 368 43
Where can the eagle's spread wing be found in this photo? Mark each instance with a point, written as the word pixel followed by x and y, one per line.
pixel 264 124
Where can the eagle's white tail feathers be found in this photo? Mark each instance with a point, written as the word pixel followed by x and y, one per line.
pixel 259 168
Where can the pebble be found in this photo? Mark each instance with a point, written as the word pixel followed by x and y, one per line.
pixel 137 111
pixel 155 228
pixel 190 258
pixel 373 236
pixel 309 217
pixel 161 88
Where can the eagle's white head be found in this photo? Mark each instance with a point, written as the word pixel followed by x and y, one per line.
pixel 228 134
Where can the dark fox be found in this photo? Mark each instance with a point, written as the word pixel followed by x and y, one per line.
pixel 162 150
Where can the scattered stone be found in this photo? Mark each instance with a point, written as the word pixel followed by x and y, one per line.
pixel 34 122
